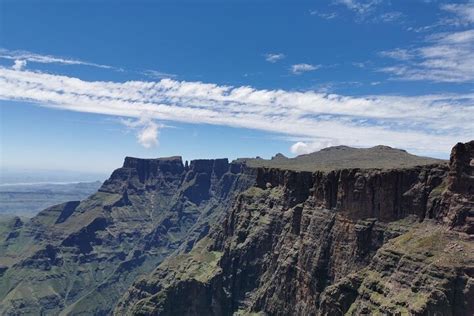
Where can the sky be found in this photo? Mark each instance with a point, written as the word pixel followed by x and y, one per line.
pixel 85 83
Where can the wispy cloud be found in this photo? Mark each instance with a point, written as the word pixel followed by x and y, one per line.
pixel 359 6
pixel 274 57
pixel 324 15
pixel 25 56
pixel 154 74
pixel 372 11
pixel 398 53
pixel 422 124
pixel 464 13
pixel 359 64
pixel 446 57
pixel 333 86
pixel 392 16
pixel 443 56
pixel 298 69
pixel 459 15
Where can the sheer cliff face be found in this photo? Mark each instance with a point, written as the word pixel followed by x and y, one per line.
pixel 286 239
pixel 79 257
pixel 456 205
pixel 328 243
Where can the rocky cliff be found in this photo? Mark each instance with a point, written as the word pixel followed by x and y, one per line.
pixel 79 257
pixel 340 231
pixel 351 241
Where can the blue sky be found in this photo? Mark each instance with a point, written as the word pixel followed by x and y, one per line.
pixel 85 83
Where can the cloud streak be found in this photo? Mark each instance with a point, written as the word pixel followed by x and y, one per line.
pixel 25 56
pixel 154 74
pixel 274 57
pixel 358 6
pixel 443 56
pixel 324 15
pixel 464 13
pixel 428 124
pixel 298 69
pixel 447 57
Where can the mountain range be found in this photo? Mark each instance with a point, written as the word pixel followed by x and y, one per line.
pixel 342 231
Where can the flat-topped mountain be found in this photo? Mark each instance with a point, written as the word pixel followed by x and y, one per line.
pixel 344 157
pixel 321 234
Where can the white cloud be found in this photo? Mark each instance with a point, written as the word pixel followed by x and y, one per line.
pixel 333 86
pixel 398 53
pixel 274 57
pixel 359 64
pixel 327 16
pixel 372 11
pixel 422 124
pixel 302 148
pixel 19 64
pixel 390 16
pixel 446 57
pixel 301 68
pixel 442 56
pixel 146 130
pixel 154 74
pixel 148 135
pixel 461 15
pixel 464 13
pixel 359 6
pixel 46 59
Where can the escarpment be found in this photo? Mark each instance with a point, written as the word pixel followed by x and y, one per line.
pixel 340 231
pixel 79 257
pixel 345 241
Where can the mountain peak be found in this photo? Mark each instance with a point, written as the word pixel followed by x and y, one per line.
pixel 279 156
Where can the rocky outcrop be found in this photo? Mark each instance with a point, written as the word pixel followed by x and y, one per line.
pixel 426 271
pixel 455 206
pixel 355 241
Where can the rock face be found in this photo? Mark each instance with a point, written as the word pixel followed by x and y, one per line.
pixel 79 257
pixel 350 241
pixel 456 205
pixel 341 231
